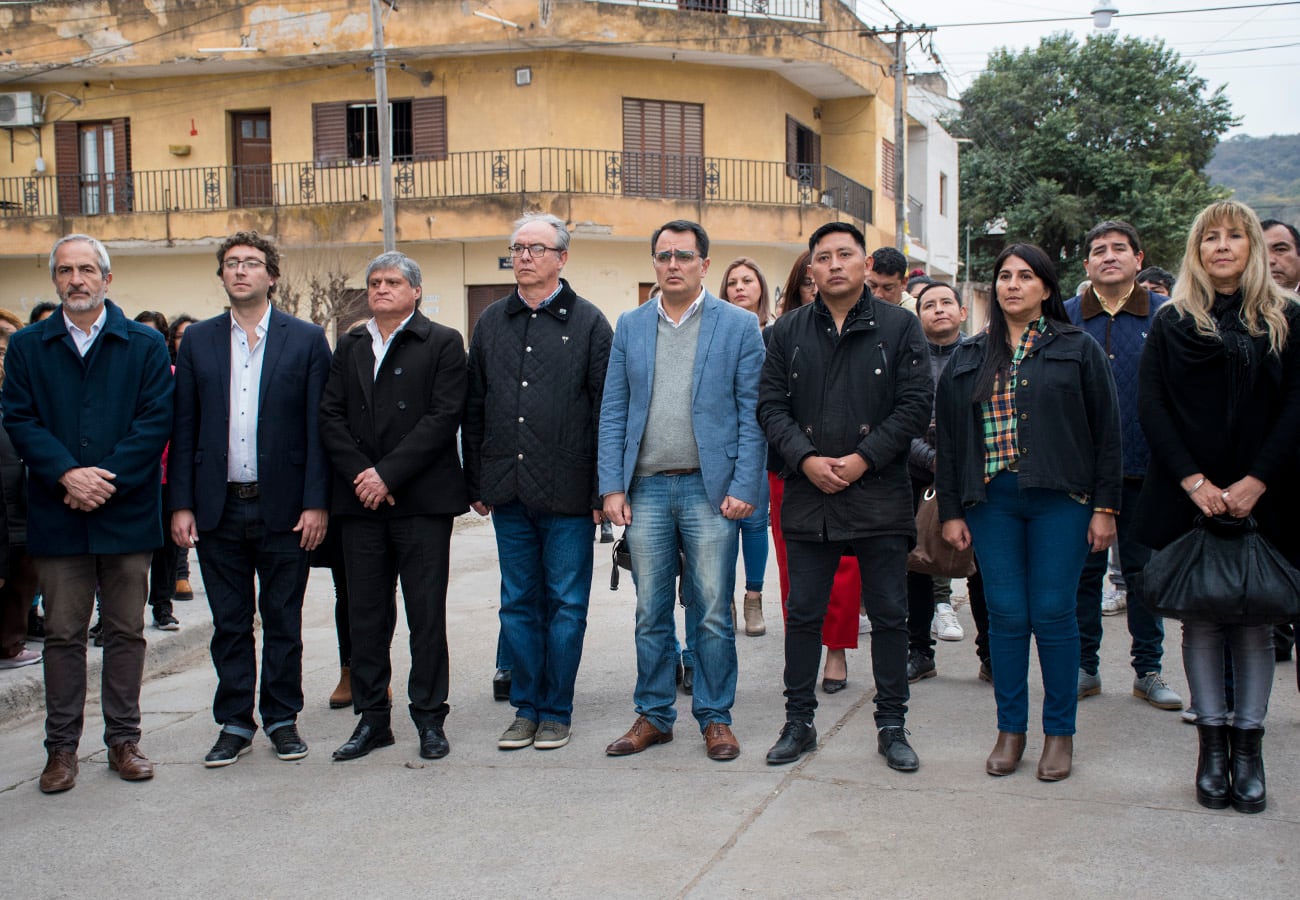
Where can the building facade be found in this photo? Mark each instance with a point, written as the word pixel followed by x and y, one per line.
pixel 161 127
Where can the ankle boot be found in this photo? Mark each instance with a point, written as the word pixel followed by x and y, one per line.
pixel 1212 767
pixel 1006 753
pixel 342 695
pixel 754 624
pixel 1058 755
pixel 1247 769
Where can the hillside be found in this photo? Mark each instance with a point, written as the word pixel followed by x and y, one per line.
pixel 1263 172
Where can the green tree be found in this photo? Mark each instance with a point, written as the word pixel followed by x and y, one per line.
pixel 1065 135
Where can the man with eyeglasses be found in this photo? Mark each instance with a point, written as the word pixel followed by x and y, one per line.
pixel 680 464
pixel 537 363
pixel 249 486
pixel 88 406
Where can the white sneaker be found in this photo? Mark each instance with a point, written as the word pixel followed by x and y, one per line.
pixel 945 625
pixel 1113 602
pixel 864 624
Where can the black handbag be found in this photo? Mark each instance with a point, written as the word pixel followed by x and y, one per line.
pixel 1224 571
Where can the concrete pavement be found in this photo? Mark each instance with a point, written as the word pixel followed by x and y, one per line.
pixel 666 823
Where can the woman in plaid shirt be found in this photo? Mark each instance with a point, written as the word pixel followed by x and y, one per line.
pixel 1028 467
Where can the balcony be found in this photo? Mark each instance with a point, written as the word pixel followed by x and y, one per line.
pixel 481 173
pixel 789 10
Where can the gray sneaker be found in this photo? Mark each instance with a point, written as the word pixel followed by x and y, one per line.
pixel 1153 689
pixel 551 736
pixel 1089 685
pixel 519 734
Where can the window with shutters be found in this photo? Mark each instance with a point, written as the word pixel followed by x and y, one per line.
pixel 93 163
pixel 663 149
pixel 348 130
pixel 887 167
pixel 803 153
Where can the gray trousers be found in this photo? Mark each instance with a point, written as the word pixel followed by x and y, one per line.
pixel 68 584
pixel 1252 671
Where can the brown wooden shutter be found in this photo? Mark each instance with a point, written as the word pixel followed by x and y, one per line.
pixel 791 147
pixel 429 127
pixel 663 148
pixel 887 167
pixel 329 131
pixel 123 183
pixel 67 166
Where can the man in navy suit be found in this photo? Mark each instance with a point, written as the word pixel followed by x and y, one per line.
pixel 681 460
pixel 249 477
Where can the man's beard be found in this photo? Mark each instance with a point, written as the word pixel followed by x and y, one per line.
pixel 92 301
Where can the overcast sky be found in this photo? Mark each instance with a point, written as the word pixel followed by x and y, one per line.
pixel 1227 47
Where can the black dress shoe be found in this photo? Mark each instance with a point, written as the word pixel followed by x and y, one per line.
pixel 835 685
pixel 433 742
pixel 898 753
pixel 367 736
pixel 501 685
pixel 688 680
pixel 796 739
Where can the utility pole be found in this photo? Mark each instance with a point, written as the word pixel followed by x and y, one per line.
pixel 380 56
pixel 899 72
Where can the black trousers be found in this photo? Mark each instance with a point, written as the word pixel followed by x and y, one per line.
pixel 377 552
pixel 882 563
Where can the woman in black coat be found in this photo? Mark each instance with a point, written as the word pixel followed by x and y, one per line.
pixel 1219 401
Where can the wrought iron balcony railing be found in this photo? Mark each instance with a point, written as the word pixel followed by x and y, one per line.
pixel 798 10
pixel 472 174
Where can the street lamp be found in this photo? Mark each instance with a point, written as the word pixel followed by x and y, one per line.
pixel 1102 13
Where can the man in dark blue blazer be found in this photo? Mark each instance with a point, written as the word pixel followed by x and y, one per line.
pixel 248 476
pixel 88 405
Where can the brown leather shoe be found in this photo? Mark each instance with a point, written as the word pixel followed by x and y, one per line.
pixel 60 772
pixel 129 763
pixel 1006 753
pixel 641 735
pixel 720 743
pixel 342 695
pixel 1058 753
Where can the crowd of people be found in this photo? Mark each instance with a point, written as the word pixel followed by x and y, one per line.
pixel 1065 428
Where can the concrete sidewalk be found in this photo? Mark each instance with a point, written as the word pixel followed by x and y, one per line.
pixel 665 823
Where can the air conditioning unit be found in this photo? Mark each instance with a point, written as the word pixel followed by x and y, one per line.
pixel 19 108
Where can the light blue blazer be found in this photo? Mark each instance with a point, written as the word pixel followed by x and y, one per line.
pixel 724 396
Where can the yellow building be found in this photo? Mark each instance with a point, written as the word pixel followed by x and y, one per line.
pixel 161 127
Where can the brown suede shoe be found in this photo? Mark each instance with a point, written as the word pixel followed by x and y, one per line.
pixel 1006 753
pixel 60 772
pixel 342 695
pixel 1058 753
pixel 129 763
pixel 641 735
pixel 720 743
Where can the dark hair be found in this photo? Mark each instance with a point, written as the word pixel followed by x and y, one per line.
pixel 1159 276
pixel 837 228
pixel 931 284
pixel 791 293
pixel 174 333
pixel 997 349
pixel 156 319
pixel 919 279
pixel 1266 224
pixel 257 242
pixel 1104 228
pixel 888 261
pixel 682 225
pixel 40 310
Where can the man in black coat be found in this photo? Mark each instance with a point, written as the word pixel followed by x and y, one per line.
pixel 392 406
pixel 845 388
pixel 537 364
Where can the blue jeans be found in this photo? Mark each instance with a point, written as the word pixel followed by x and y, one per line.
pixel 1031 545
pixel 1147 631
pixel 753 543
pixel 545 588
pixel 672 513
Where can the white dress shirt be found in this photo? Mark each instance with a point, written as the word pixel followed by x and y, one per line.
pixel 245 390
pixel 379 345
pixel 83 339
pixel 690 310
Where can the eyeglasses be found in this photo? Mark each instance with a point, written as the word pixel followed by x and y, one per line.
pixel 252 265
pixel 664 257
pixel 536 251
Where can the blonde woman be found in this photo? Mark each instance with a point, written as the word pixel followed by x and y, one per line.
pixel 1219 401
